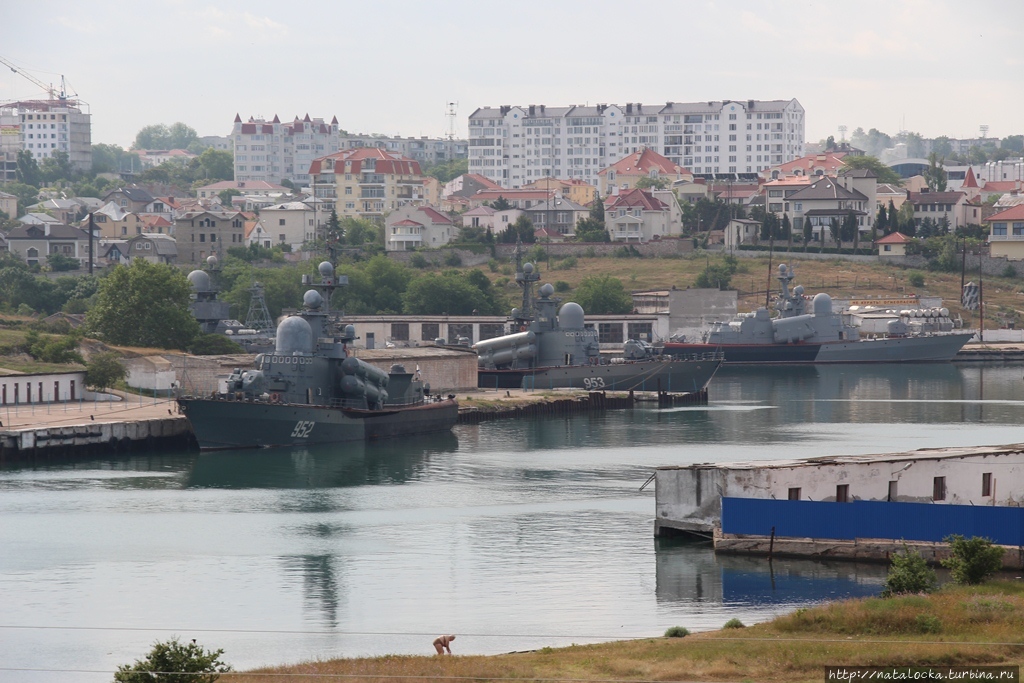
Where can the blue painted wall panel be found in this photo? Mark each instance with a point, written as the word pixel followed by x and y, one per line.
pixel 871 519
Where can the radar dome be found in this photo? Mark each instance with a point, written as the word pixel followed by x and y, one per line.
pixel 528 268
pixel 326 269
pixel 294 335
pixel 199 280
pixel 350 331
pixel 212 261
pixel 782 268
pixel 822 304
pixel 547 290
pixel 570 316
pixel 312 299
pixel 799 290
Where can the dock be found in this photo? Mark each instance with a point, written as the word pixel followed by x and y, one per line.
pixel 995 352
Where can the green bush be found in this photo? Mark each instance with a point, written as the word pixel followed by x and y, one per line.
pixel 494 264
pixel 590 252
pixel 418 261
pixel 175 662
pixel 1009 271
pixel 908 573
pixel 565 264
pixel 562 286
pixel 452 259
pixel 927 623
pixel 734 623
pixel 972 560
pixel 677 632
pixel 916 278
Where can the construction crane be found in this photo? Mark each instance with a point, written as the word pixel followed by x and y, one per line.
pixel 60 95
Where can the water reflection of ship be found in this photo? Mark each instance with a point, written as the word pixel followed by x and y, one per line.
pixel 690 572
pixel 353 463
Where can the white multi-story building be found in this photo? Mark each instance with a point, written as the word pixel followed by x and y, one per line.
pixel 273 151
pixel 44 127
pixel 514 145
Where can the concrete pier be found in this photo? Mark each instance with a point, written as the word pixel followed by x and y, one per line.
pixel 85 428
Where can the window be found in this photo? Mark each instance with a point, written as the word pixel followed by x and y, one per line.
pixel 794 493
pixel 202 237
pixel 641 331
pixel 999 229
pixel 609 333
pixel 491 330
pixel 400 331
pixel 456 330
pixel 430 331
pixel 986 484
pixel 843 493
pixel 1018 229
pixel 280 238
pixel 892 491
pixel 939 488
pixel 280 221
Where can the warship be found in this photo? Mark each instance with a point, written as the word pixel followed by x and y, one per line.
pixel 795 335
pixel 549 350
pixel 310 390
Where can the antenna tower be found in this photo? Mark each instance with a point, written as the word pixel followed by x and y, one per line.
pixel 842 132
pixel 984 130
pixel 258 317
pixel 450 114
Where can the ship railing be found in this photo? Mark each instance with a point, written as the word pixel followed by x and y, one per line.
pixel 360 405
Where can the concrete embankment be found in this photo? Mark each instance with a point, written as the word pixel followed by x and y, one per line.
pixel 555 404
pixel 51 430
pixel 991 353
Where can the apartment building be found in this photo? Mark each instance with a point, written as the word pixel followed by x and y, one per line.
pixel 273 151
pixel 515 145
pixel 428 151
pixel 206 233
pixel 368 182
pixel 45 127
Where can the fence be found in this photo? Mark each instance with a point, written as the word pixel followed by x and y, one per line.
pixel 871 519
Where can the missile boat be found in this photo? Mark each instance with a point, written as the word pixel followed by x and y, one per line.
pixel 311 390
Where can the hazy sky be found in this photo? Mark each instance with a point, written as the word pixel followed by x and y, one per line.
pixel 937 67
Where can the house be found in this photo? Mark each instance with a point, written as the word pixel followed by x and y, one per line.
pixel 132 199
pixel 66 211
pixel 521 198
pixel 114 252
pixel 9 204
pixel 152 247
pixel 776 192
pixel 893 244
pixel 479 217
pixel 823 201
pixel 113 221
pixel 557 215
pixel 467 185
pixel 292 223
pixel 952 208
pixel 1007 234
pixel 624 173
pixel 368 182
pixel 741 231
pixel 825 163
pixel 38 219
pixel 245 187
pixel 575 190
pixel 35 243
pixel 418 226
pixel 641 216
pixel 205 233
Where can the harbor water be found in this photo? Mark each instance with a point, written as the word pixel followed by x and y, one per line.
pixel 513 535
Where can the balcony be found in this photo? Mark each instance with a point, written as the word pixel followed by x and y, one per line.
pixel 372 179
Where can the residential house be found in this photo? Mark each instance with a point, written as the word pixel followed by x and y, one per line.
pixel 35 243
pixel 864 181
pixel 557 215
pixel 893 244
pixel 205 233
pixel 368 182
pixel 112 221
pixel 479 217
pixel 9 204
pixel 113 253
pixel 575 190
pixel 821 202
pixel 292 223
pixel 776 192
pixel 741 231
pixel 949 207
pixel 133 199
pixel 1007 234
pixel 521 198
pixel 153 247
pixel 149 158
pixel 38 219
pixel 410 227
pixel 467 185
pixel 66 211
pixel 826 163
pixel 646 163
pixel 641 216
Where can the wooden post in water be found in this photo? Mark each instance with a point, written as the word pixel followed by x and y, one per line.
pixel 771 545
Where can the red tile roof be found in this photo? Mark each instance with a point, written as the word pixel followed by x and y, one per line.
pixel 1014 213
pixel 406 223
pixel 510 194
pixel 386 162
pixel 1001 186
pixel 969 179
pixel 483 180
pixel 435 215
pixel 636 197
pixel 894 238
pixel 641 163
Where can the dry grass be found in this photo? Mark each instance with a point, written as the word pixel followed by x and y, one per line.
pixel 957 626
pixel 837 277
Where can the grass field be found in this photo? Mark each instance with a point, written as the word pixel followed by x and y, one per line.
pixel 982 625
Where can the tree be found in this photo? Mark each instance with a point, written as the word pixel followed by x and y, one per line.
pixel 216 164
pixel 145 304
pixel 28 170
pixel 376 288
pixel 830 143
pixel 108 158
pixel 942 146
pixel 786 230
pixel 501 204
pixel 450 292
pixel 884 173
pixel 769 227
pixel 27 194
pixel 56 167
pixel 808 232
pixel 893 224
pixel 160 136
pixel 360 231
pixel 1013 143
pixel 881 223
pixel 603 295
pixel 835 228
pixel 174 662
pixel 213 345
pixel 104 370
pixel 591 230
pixel 906 218
pixel 935 175
pixel 972 560
pixel 597 210
pixel 225 196
pixel 61 263
pixel 648 182
pixel 848 230
pixel 447 170
pixel 915 145
pixel 53 349
pixel 522 229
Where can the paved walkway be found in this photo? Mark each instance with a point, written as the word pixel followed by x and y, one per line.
pixel 85 412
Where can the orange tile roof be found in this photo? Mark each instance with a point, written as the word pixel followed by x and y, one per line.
pixel 1014 213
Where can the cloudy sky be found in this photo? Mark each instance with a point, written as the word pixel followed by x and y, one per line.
pixel 938 67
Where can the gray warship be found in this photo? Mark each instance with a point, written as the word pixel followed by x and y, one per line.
pixel 310 390
pixel 795 335
pixel 549 350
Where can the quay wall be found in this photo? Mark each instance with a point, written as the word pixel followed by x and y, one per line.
pixel 95 438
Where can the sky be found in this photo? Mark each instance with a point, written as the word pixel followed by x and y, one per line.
pixel 936 67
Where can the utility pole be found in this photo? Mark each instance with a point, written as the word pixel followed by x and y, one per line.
pixel 90 242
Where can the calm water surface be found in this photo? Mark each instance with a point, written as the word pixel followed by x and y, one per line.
pixel 512 535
